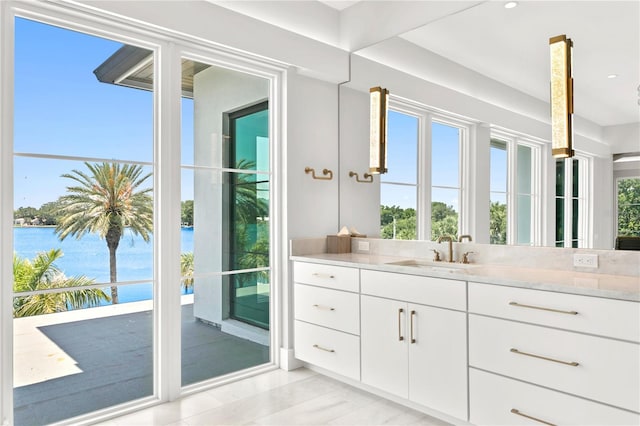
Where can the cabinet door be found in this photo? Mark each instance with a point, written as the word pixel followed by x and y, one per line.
pixel 437 341
pixel 383 338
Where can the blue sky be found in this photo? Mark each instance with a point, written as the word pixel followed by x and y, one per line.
pixel 62 109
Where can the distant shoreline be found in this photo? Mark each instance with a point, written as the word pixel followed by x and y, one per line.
pixel 53 226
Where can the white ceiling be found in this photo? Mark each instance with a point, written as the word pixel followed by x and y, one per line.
pixel 507 45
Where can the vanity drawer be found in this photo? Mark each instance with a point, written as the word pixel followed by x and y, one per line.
pixel 439 292
pixel 607 370
pixel 338 277
pixel 330 308
pixel 493 397
pixel 612 318
pixel 333 350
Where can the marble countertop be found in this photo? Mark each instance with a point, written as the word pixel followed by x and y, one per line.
pixel 620 287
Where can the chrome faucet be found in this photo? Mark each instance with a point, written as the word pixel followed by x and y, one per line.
pixel 448 238
pixel 462 237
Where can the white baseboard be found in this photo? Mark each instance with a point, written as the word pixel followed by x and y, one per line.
pixel 288 361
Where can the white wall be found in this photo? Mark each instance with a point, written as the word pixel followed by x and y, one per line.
pixel 624 138
pixel 359 202
pixel 215 91
pixel 603 202
pixel 312 127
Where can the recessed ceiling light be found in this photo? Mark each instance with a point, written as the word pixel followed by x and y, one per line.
pixel 510 4
pixel 612 76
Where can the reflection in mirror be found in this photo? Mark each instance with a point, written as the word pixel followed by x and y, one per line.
pixel 442 67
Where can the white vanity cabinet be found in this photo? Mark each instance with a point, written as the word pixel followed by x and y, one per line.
pixel 413 339
pixel 559 358
pixel 327 317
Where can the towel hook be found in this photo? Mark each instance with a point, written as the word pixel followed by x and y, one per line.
pixel 328 174
pixel 368 178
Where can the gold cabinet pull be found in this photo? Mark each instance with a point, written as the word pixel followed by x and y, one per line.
pixel 520 305
pixel 323 349
pixel 319 275
pixel 572 364
pixel 514 411
pixel 400 336
pixel 413 340
pixel 324 308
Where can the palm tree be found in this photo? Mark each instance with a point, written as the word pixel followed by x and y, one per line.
pixel 105 201
pixel 41 273
pixel 186 269
pixel 248 206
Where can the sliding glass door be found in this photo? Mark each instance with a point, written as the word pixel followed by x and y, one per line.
pixel 225 184
pixel 83 226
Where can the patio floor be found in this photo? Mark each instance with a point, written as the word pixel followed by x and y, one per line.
pixel 71 367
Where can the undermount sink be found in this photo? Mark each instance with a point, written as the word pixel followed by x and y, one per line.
pixel 433 266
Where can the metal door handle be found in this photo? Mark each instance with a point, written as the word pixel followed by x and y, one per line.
pixel 325 308
pixel 520 305
pixel 514 411
pixel 400 336
pixel 572 364
pixel 323 349
pixel 319 275
pixel 413 340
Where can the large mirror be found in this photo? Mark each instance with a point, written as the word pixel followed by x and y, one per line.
pixel 469 124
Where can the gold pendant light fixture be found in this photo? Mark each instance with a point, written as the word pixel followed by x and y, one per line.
pixel 560 49
pixel 379 101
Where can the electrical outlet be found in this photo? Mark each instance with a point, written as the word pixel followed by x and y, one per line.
pixel 585 260
pixel 363 245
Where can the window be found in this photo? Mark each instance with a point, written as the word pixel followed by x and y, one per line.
pixel 399 187
pixel 446 189
pixel 514 216
pixel 421 194
pixel 571 211
pixel 628 199
pixel 498 189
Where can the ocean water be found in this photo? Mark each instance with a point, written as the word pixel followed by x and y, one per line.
pixel 89 256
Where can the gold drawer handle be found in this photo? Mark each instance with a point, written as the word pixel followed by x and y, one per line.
pixel 324 308
pixel 514 411
pixel 319 275
pixel 520 305
pixel 572 364
pixel 323 349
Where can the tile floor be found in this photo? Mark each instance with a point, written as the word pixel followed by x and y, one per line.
pixel 300 397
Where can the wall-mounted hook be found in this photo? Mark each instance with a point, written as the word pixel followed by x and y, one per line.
pixel 328 174
pixel 368 178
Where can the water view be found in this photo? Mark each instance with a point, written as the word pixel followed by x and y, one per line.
pixel 89 256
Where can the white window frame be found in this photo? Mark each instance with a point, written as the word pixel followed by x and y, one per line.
pixel 464 177
pixel 513 141
pixel 168 47
pixel 410 109
pixel 426 117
